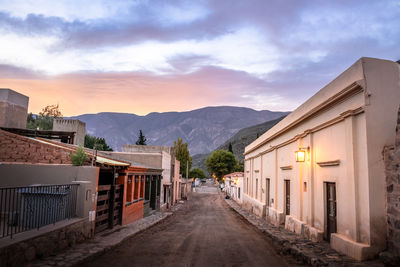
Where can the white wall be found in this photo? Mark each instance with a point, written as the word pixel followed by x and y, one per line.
pixel 349 120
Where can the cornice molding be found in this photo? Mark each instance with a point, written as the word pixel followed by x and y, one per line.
pixel 341 117
pixel 353 89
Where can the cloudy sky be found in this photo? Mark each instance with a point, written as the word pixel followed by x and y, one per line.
pixel 170 55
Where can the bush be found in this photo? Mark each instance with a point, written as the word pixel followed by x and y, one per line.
pixel 79 157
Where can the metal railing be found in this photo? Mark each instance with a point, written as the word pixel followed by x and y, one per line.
pixel 30 207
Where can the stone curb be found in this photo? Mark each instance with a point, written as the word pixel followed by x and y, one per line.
pixel 302 250
pixel 102 243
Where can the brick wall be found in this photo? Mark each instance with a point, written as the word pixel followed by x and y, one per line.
pixel 392 169
pixel 16 148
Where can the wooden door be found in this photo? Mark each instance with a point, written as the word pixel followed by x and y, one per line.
pixel 267 195
pixel 103 207
pixel 287 197
pixel 153 192
pixel 109 206
pixel 116 213
pixel 331 209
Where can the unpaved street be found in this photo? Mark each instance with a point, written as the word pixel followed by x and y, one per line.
pixel 204 232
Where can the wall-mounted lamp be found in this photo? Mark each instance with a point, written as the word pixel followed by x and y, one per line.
pixel 136 179
pixel 301 154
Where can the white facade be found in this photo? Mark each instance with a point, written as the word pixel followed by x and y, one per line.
pixel 342 129
pixel 234 186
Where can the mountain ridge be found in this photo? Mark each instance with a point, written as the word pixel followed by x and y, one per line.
pixel 238 141
pixel 204 129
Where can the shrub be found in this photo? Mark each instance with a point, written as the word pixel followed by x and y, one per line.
pixel 79 157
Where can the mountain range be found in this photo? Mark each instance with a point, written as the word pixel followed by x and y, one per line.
pixel 204 129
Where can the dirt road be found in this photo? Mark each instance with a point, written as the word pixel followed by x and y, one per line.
pixel 204 232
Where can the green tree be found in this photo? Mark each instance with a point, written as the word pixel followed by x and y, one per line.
pixel 31 121
pixel 44 121
pixel 239 167
pixel 182 154
pixel 141 139
pixel 220 163
pixel 98 143
pixel 230 148
pixel 79 157
pixel 196 173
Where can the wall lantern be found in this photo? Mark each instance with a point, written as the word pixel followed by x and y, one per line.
pixel 136 179
pixel 129 179
pixel 301 154
pixel 142 178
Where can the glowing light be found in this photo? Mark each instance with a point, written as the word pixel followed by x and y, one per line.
pixel 300 156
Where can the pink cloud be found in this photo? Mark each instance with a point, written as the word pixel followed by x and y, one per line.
pixel 137 92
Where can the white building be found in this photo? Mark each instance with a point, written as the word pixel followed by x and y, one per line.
pixel 337 192
pixel 234 186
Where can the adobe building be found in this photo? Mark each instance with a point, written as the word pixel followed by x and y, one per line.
pixel 69 125
pixel 320 171
pixel 13 109
pixel 162 157
pixel 156 157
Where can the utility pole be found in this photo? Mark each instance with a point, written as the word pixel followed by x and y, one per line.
pixel 187 174
pixel 187 169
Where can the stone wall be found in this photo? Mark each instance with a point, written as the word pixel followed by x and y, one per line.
pixel 20 253
pixel 253 205
pixel 392 166
pixel 16 148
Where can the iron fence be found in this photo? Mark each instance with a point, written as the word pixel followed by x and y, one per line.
pixel 30 207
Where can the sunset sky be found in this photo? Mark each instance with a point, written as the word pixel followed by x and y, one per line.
pixel 90 56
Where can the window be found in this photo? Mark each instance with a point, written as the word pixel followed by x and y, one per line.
pixel 147 187
pixel 142 178
pixel 137 187
pixel 129 195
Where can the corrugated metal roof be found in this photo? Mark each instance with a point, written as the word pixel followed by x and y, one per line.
pixel 111 162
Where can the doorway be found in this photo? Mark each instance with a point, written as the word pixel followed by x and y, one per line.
pixel 267 196
pixel 331 209
pixel 287 197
